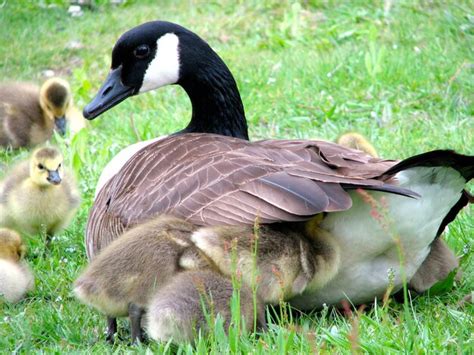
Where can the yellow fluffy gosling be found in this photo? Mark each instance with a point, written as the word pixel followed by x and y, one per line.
pixel 357 141
pixel 39 195
pixel 15 277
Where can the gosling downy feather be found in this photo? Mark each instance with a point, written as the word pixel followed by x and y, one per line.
pixel 213 180
pixel 288 261
pixel 437 266
pixel 130 270
pixel 29 114
pixel 16 278
pixel 357 141
pixel 190 303
pixel 38 194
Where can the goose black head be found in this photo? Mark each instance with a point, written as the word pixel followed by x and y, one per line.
pixel 144 58
pixel 161 53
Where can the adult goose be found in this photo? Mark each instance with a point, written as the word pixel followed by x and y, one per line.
pixel 210 179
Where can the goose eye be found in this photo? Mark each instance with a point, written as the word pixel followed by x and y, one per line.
pixel 141 51
pixel 41 166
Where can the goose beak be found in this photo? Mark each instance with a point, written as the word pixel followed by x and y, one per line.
pixel 110 94
pixel 60 123
pixel 53 177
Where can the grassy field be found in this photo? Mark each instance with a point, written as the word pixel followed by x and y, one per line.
pixel 400 72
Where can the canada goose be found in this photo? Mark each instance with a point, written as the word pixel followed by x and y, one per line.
pixel 15 277
pixel 288 261
pixel 193 299
pixel 215 180
pixel 357 141
pixel 29 114
pixel 38 195
pixel 121 280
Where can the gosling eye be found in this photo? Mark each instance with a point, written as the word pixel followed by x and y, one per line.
pixel 142 51
pixel 41 166
pixel 59 166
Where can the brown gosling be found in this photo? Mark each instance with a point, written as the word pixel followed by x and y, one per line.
pixel 122 278
pixel 357 141
pixel 38 195
pixel 436 267
pixel 29 114
pixel 16 278
pixel 190 303
pixel 288 262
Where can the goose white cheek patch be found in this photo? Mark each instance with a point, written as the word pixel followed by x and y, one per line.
pixel 164 68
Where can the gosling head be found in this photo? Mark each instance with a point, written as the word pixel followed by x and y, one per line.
pixel 147 57
pixel 357 141
pixel 46 167
pixel 11 245
pixel 55 99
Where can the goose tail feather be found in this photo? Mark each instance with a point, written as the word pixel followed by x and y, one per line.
pixel 464 164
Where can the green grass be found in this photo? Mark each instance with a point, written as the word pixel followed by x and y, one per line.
pixel 402 76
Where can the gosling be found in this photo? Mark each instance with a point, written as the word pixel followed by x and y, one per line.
pixel 29 114
pixel 436 267
pixel 357 141
pixel 192 301
pixel 39 195
pixel 283 261
pixel 16 278
pixel 122 278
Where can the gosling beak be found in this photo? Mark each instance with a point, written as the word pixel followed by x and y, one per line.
pixel 53 177
pixel 60 123
pixel 110 94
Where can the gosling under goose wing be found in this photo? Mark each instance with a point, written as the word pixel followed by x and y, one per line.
pixel 211 179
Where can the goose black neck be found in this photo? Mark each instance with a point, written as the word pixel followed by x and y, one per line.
pixel 216 102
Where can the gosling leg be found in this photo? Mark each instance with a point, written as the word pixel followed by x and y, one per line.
pixel 135 314
pixel 111 329
pixel 49 238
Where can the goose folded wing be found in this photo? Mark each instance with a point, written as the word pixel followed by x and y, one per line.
pixel 209 179
pixel 339 160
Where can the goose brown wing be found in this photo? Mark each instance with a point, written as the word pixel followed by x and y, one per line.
pixel 338 159
pixel 211 179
